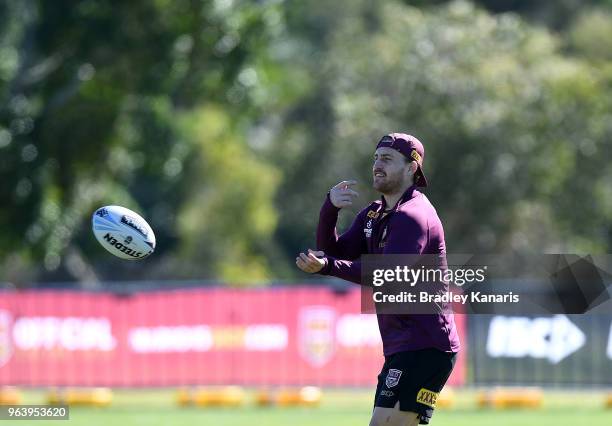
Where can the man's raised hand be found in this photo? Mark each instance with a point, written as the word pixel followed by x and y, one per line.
pixel 342 194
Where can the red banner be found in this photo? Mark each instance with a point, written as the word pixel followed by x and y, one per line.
pixel 278 336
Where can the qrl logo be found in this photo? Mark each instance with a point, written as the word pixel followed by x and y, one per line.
pixel 393 377
pixel 115 243
pixel 316 334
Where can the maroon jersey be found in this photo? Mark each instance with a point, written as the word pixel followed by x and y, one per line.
pixel 412 227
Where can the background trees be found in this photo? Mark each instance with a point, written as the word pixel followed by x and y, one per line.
pixel 225 122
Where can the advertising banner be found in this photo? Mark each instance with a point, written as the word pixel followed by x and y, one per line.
pixel 541 350
pixel 276 336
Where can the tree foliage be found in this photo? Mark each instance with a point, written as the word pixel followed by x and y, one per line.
pixel 225 123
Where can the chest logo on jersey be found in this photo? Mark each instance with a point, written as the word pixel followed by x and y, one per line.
pixel 368 229
pixel 393 377
pixel 372 214
pixel 382 242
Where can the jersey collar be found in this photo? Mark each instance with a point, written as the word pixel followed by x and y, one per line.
pixel 410 193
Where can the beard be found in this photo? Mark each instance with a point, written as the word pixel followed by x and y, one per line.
pixel 390 184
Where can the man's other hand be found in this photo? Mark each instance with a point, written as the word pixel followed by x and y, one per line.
pixel 312 262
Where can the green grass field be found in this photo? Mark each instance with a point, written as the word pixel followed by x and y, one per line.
pixel 338 408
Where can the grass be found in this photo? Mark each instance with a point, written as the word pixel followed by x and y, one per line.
pixel 338 408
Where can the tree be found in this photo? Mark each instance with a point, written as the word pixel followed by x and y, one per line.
pixel 90 97
pixel 508 122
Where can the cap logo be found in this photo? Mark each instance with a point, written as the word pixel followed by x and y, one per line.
pixel 387 139
pixel 415 155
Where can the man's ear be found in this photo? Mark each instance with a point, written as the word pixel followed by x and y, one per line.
pixel 413 166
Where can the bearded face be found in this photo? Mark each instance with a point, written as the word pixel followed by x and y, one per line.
pixel 391 172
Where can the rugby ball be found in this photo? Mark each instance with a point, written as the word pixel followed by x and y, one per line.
pixel 123 232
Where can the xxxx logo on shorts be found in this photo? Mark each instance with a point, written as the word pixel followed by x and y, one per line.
pixel 427 397
pixel 393 377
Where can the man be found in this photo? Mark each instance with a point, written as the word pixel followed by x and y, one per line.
pixel 420 350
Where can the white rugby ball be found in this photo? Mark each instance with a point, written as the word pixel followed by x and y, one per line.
pixel 123 232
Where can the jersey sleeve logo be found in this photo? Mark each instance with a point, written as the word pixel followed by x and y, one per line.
pixel 393 377
pixel 427 397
